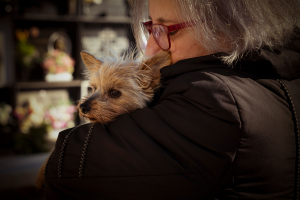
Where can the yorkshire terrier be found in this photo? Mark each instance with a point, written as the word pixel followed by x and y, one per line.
pixel 120 85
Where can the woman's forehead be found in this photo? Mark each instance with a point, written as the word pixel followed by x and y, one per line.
pixel 162 11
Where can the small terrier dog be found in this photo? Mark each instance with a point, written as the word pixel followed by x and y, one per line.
pixel 120 85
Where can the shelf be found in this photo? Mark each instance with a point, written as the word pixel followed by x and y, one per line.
pixel 84 19
pixel 47 85
pixel 110 19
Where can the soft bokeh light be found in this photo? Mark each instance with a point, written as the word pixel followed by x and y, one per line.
pixel 41 77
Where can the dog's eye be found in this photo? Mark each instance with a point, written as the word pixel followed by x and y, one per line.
pixel 114 93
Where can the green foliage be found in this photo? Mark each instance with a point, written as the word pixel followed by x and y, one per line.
pixel 25 48
pixel 26 54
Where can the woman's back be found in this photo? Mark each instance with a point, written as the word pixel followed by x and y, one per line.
pixel 223 124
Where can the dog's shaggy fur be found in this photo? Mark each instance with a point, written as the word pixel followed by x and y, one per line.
pixel 120 85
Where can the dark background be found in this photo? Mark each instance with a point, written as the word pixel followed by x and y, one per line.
pixel 82 24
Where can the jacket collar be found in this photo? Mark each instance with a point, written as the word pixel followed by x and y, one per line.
pixel 192 64
pixel 285 60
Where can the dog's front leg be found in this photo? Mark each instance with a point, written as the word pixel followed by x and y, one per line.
pixel 40 178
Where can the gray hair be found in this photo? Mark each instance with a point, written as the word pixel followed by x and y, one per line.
pixel 232 26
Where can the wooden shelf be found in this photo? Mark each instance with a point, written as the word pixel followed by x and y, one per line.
pixel 68 18
pixel 47 85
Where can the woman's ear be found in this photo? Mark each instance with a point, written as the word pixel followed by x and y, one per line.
pixel 92 63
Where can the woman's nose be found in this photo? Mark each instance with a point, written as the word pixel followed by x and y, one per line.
pixel 152 48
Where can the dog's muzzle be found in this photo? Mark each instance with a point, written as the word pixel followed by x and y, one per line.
pixel 84 108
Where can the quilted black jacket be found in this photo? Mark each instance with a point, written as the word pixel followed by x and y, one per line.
pixel 211 133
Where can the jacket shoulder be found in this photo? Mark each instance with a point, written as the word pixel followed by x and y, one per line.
pixel 204 86
pixel 69 142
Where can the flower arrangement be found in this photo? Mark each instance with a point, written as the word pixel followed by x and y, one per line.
pixel 38 123
pixel 26 52
pixel 7 129
pixel 5 112
pixel 61 116
pixel 7 121
pixel 27 55
pixel 58 66
pixel 34 114
pixel 30 114
pixel 57 61
pixel 32 128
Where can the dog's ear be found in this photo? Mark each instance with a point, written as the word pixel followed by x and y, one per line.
pixel 92 63
pixel 157 61
pixel 149 75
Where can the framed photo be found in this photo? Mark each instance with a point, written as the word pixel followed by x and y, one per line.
pixel 105 40
pixel 101 42
pixel 105 7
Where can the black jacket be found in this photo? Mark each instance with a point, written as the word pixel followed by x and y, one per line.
pixel 211 133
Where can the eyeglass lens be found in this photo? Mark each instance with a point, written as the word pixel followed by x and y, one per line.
pixel 160 34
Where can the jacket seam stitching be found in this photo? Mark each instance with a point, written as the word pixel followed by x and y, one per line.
pixel 240 118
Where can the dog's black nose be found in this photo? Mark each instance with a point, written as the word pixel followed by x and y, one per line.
pixel 85 108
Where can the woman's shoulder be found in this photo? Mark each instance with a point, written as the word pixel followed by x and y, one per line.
pixel 72 141
pixel 212 80
pixel 79 133
pixel 65 134
pixel 204 82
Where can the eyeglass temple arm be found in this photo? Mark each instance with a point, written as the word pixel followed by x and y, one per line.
pixel 180 26
pixel 148 24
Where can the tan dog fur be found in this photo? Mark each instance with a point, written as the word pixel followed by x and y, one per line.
pixel 135 82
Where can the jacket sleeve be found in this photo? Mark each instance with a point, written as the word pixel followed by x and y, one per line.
pixel 181 148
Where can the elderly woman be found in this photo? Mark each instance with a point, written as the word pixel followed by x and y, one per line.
pixel 223 125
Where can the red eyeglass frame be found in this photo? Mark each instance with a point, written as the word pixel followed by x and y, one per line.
pixel 171 28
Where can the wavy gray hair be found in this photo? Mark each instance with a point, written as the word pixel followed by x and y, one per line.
pixel 231 26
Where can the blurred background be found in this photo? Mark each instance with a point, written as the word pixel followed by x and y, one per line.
pixel 41 77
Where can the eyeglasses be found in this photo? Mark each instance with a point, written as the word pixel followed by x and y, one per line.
pixel 161 32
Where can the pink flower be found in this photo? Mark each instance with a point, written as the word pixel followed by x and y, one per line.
pixel 48 63
pixel 59 124
pixel 71 109
pixel 60 70
pixel 57 61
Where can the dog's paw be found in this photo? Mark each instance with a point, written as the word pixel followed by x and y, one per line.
pixel 39 182
pixel 40 178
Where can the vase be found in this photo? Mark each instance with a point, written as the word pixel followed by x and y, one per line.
pixel 65 76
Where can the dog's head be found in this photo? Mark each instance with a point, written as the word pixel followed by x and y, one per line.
pixel 119 85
